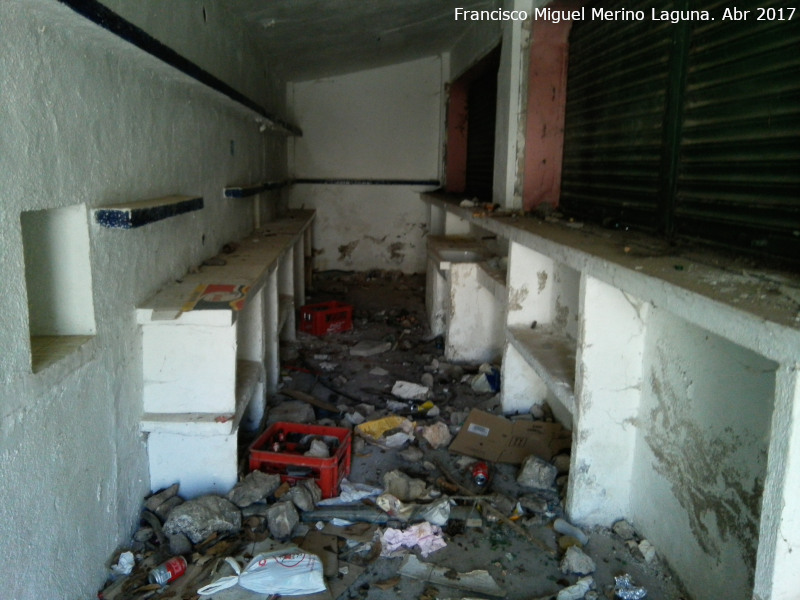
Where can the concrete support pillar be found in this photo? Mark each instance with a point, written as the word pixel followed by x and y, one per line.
pixel 608 392
pixel 778 560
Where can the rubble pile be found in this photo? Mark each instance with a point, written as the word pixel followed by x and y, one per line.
pixel 435 505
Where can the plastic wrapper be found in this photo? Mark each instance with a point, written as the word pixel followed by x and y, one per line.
pixel 351 492
pixel 625 590
pixel 287 572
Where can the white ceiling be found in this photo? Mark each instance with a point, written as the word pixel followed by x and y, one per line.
pixel 309 39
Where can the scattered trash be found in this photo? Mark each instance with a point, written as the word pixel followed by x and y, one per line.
pixel 124 564
pixel 497 439
pixel 577 561
pixel 487 380
pixel 379 372
pixel 168 571
pixel 366 348
pixel 428 538
pixel 480 474
pixel 409 390
pixel 437 435
pixel 567 528
pixel 537 473
pixel 388 432
pixel 625 590
pixel 286 572
pixel 403 487
pixel 478 581
pixel 350 492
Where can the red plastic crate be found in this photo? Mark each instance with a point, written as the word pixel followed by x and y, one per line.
pixel 326 317
pixel 327 472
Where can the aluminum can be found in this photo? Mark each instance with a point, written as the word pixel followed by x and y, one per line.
pixel 168 571
pixel 480 473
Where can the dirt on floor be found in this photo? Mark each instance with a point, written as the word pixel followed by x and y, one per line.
pixel 503 532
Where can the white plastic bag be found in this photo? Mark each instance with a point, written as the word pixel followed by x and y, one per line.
pixel 287 572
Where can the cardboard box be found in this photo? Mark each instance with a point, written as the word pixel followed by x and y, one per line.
pixel 497 439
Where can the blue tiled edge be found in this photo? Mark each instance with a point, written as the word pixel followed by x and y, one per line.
pixel 137 214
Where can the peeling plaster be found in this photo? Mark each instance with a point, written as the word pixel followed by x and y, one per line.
pixel 516 298
pixel 542 277
pixel 700 466
pixel 346 250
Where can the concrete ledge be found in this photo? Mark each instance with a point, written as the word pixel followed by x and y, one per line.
pixel 144 212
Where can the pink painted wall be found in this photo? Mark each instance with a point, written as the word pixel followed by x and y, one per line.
pixel 544 134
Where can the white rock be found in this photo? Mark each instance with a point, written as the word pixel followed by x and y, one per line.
pixel 537 473
pixel 577 561
pixel 410 391
pixel 576 591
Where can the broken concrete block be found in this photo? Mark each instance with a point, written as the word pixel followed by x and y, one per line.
pixel 318 449
pixel 301 497
pixel 427 380
pixel 163 510
pixel 534 504
pixel 412 454
pixel 561 463
pixel 199 518
pixel 154 501
pixel 179 544
pixel 577 561
pixel 281 519
pixel 256 486
pixel 624 530
pixel 313 489
pixel 293 411
pixel 370 348
pixel 567 528
pixel 437 435
pixel 577 591
pixel 379 372
pixel 410 391
pixel 648 551
pixel 403 487
pixel 537 473
pixel 354 418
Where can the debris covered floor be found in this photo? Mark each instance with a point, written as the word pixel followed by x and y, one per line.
pixel 513 528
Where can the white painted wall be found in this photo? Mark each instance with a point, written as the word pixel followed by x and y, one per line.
pixel 701 460
pixel 87 119
pixel 376 124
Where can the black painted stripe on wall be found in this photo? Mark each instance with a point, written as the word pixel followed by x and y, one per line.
pixel 114 23
pixel 423 182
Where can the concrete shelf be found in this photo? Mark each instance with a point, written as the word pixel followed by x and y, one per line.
pixel 552 356
pixel 210 351
pixel 676 370
pixel 144 212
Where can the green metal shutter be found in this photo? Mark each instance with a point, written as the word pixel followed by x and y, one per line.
pixel 690 129
pixel 739 166
pixel 613 130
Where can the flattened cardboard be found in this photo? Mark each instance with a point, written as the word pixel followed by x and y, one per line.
pixel 497 439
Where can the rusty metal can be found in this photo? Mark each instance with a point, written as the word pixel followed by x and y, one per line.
pixel 168 571
pixel 480 473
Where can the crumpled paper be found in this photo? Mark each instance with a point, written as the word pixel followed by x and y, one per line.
pixel 428 538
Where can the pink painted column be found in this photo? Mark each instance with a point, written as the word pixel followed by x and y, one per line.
pixel 544 132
